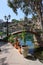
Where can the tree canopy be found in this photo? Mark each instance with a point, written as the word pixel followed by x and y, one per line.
pixel 27 6
pixel 35 7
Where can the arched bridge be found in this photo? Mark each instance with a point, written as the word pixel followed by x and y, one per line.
pixel 32 32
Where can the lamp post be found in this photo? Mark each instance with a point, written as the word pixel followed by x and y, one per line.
pixel 7 19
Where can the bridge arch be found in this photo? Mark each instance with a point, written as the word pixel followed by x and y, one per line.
pixel 37 36
pixel 32 32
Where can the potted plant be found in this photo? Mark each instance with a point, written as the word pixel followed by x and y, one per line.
pixel 24 49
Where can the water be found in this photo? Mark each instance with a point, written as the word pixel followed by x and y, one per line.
pixel 30 44
pixel 27 38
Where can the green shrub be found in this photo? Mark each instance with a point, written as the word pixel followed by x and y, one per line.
pixel 24 37
pixel 1 33
pixel 11 39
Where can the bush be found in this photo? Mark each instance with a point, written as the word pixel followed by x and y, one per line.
pixel 1 33
pixel 11 39
pixel 5 39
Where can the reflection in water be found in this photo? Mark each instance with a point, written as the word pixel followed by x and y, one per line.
pixel 35 52
pixel 30 45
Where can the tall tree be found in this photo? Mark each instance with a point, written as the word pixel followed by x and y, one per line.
pixel 28 6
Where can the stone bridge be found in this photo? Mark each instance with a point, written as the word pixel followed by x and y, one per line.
pixel 36 36
pixel 32 32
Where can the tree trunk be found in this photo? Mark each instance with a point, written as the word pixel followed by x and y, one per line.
pixel 40 36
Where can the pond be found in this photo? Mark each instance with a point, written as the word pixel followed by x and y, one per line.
pixel 27 38
pixel 30 45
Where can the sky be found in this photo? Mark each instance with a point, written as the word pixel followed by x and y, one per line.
pixel 6 10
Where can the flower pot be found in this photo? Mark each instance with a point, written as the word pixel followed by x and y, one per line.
pixel 24 50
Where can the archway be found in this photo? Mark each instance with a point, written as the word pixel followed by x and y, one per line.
pixel 30 32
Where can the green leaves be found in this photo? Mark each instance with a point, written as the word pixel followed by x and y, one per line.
pixel 1 33
pixel 24 37
pixel 24 5
pixel 10 4
pixel 11 39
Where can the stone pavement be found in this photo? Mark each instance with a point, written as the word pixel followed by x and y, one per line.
pixel 10 56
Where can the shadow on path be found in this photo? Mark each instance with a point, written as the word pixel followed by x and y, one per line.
pixel 38 54
pixel 31 58
pixel 5 50
pixel 3 61
pixel 2 43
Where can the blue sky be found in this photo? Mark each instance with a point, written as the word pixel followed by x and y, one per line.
pixel 5 10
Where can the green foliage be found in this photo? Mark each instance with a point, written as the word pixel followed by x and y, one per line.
pixel 4 33
pixel 1 33
pixel 24 37
pixel 29 37
pixel 14 20
pixel 5 39
pixel 11 39
pixel 40 31
pixel 27 6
